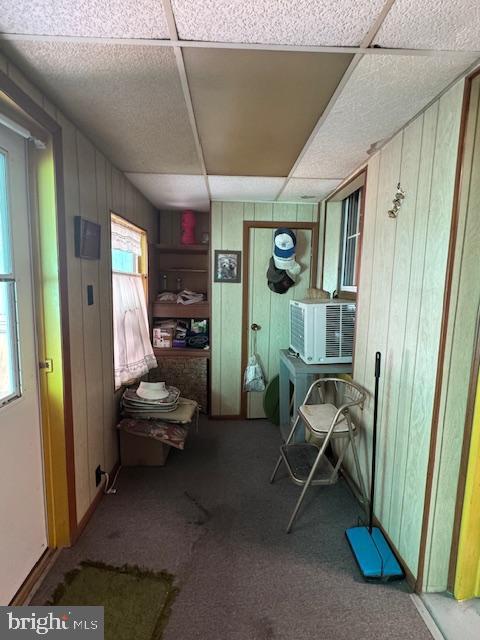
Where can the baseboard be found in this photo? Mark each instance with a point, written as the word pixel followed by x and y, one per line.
pixel 227 417
pixel 34 578
pixel 91 509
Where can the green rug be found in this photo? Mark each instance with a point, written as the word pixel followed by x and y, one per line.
pixel 137 603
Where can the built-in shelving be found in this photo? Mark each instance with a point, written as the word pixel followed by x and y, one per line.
pixel 185 270
pixel 183 248
pixel 198 310
pixel 181 352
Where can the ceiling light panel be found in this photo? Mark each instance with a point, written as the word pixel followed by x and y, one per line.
pixel 113 19
pixel 256 109
pixel 443 24
pixel 173 191
pixel 305 190
pixel 244 189
pixel 127 99
pixel 294 22
pixel 383 94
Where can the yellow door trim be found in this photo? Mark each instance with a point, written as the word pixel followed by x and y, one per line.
pixel 467 577
pixel 49 335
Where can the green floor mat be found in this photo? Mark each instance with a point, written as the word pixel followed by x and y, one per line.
pixel 137 603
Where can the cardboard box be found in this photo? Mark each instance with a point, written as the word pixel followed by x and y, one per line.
pixel 137 451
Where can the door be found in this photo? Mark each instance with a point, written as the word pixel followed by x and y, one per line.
pixel 269 310
pixel 23 534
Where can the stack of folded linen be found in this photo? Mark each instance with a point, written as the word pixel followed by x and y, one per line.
pixel 150 400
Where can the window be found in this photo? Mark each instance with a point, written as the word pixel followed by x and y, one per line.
pixel 350 238
pixel 133 353
pixel 9 361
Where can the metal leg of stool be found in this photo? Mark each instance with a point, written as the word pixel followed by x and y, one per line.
pixel 279 461
pixel 311 475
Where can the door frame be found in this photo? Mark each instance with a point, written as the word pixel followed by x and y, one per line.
pixel 268 224
pixel 58 439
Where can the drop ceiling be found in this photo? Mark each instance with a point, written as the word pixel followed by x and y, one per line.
pixel 234 100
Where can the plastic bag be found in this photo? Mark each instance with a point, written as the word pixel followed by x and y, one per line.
pixel 253 378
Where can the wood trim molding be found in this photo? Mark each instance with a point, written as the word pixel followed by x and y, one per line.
pixel 348 181
pixel 269 224
pixel 443 333
pixel 29 106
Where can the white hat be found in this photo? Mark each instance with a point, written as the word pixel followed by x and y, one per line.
pixel 152 390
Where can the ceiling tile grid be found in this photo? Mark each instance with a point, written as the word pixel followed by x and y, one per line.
pixel 439 24
pixel 128 99
pixel 293 22
pixel 112 19
pixel 244 188
pixel 307 190
pixel 173 191
pixel 383 94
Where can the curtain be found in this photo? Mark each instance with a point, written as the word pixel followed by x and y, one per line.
pixel 126 239
pixel 133 353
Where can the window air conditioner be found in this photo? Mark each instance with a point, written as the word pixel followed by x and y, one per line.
pixel 321 331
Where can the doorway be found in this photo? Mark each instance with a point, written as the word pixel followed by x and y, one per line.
pixel 269 310
pixel 23 528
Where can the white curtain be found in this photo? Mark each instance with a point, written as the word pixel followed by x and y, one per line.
pixel 133 351
pixel 126 238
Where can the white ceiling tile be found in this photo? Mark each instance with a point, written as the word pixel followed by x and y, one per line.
pixel 297 22
pixel 243 188
pixel 383 94
pixel 315 190
pixel 115 19
pixel 127 99
pixel 173 191
pixel 439 24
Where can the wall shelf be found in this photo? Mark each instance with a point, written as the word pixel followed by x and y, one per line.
pixel 181 352
pixel 184 270
pixel 199 310
pixel 183 248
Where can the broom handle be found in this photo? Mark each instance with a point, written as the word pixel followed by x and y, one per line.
pixel 374 440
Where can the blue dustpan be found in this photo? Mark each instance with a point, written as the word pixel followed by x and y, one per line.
pixel 372 552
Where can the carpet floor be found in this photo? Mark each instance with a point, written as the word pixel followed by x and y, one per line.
pixel 211 518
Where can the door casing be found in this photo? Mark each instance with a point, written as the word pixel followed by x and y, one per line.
pixel 258 224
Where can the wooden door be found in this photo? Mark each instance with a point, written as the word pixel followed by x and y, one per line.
pixel 270 310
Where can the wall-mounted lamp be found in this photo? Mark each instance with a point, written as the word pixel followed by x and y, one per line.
pixel 397 202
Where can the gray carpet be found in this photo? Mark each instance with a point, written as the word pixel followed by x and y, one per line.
pixel 211 518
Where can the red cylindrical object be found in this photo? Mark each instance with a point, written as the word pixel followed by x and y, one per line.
pixel 188 227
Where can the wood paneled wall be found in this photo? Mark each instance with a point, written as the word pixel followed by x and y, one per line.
pixel 459 353
pixel 93 188
pixel 227 299
pixel 400 301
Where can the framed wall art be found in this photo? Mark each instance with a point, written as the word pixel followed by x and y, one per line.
pixel 227 266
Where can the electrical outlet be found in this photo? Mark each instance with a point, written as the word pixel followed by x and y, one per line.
pixel 98 475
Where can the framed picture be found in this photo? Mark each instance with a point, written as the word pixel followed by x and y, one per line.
pixel 87 239
pixel 227 266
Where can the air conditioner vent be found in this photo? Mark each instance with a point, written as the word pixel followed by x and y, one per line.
pixel 332 332
pixel 297 329
pixel 348 328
